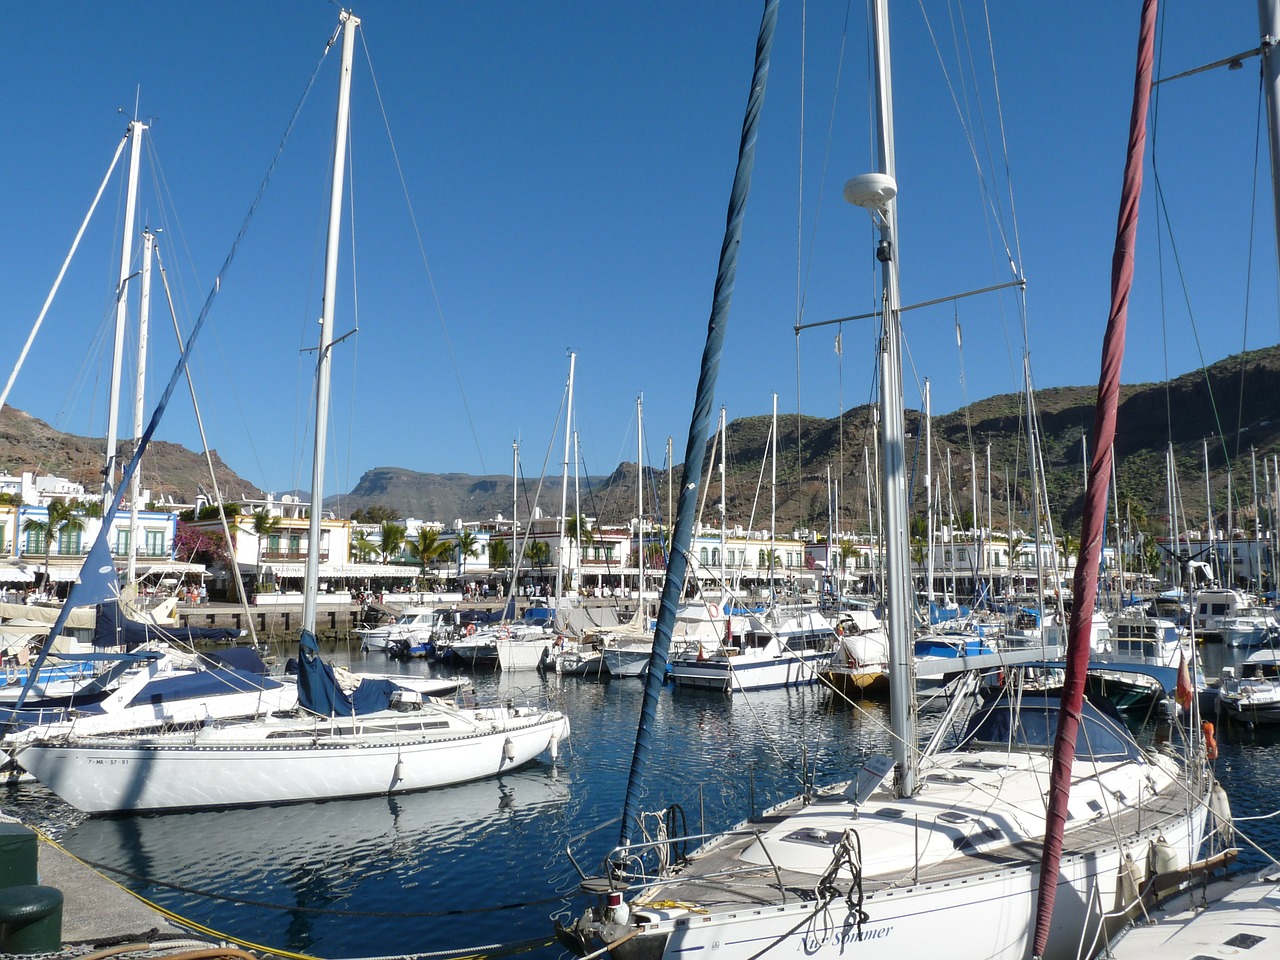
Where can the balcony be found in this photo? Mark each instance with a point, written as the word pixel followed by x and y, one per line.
pixel 281 556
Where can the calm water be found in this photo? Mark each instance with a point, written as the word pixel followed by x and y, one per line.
pixel 485 863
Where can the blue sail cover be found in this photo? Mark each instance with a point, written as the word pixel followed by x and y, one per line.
pixel 113 628
pixel 319 692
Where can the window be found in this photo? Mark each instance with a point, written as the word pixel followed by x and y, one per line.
pixel 702 555
pixel 155 543
pixel 121 546
pixel 68 541
pixel 35 541
pixel 715 556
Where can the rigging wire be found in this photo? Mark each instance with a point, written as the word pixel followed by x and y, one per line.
pixel 422 252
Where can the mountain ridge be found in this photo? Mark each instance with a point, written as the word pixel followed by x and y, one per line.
pixel 1153 418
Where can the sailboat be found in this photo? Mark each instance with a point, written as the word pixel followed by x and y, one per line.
pixel 375 739
pixel 925 853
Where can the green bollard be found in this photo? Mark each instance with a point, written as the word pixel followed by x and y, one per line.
pixel 30 919
pixel 18 851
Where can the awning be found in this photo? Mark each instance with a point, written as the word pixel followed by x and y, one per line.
pixel 175 568
pixel 14 574
pixel 329 571
pixel 370 570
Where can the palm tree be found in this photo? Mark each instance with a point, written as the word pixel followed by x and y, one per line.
pixel 577 530
pixel 465 545
pixel 429 548
pixel 499 554
pixel 60 516
pixel 362 547
pixel 393 537
pixel 264 524
pixel 538 554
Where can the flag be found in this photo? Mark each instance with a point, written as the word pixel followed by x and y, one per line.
pixel 1184 691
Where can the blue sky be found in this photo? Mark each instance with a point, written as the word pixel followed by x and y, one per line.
pixel 568 167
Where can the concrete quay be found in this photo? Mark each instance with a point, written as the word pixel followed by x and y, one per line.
pixel 101 918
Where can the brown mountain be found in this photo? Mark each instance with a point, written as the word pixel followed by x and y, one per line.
pixel 1236 398
pixel 172 472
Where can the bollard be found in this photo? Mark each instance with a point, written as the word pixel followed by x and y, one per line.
pixel 30 919
pixel 17 855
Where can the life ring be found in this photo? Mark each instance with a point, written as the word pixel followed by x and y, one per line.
pixel 471 629
pixel 1210 742
pixel 713 610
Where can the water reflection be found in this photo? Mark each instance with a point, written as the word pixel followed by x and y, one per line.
pixel 396 868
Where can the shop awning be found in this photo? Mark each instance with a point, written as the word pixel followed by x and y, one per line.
pixel 12 573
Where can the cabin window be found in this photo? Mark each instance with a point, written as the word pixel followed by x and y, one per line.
pixel 1035 723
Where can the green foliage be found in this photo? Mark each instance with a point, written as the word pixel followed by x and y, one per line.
pixel 375 514
pixel 538 553
pixel 499 553
pixel 393 537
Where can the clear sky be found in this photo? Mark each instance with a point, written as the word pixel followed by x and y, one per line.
pixel 568 167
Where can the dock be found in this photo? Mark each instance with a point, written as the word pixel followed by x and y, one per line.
pixel 97 914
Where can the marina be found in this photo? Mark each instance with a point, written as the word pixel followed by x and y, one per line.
pixel 804 744
pixel 398 875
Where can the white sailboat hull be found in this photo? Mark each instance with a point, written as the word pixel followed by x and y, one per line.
pixel 959 865
pixel 286 762
pixel 627 662
pixel 742 673
pixel 991 917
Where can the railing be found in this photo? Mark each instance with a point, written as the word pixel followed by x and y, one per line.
pixel 278 555
pixel 642 865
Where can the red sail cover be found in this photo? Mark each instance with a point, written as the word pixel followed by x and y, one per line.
pixel 1095 508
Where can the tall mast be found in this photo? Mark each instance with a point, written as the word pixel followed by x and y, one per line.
pixel 928 491
pixel 1269 30
pixel 773 495
pixel 1208 512
pixel 640 505
pixel 515 506
pixel 144 322
pixel 561 564
pixel 877 192
pixel 323 357
pixel 1095 506
pixel 122 312
pixel 574 574
pixel 724 500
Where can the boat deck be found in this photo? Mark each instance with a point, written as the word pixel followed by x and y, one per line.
pixel 719 877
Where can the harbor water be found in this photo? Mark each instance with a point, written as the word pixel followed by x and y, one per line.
pixel 479 866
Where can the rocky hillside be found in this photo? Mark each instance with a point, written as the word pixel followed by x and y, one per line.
pixel 170 471
pixel 1235 399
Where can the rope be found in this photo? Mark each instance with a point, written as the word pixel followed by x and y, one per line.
pixel 292 908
